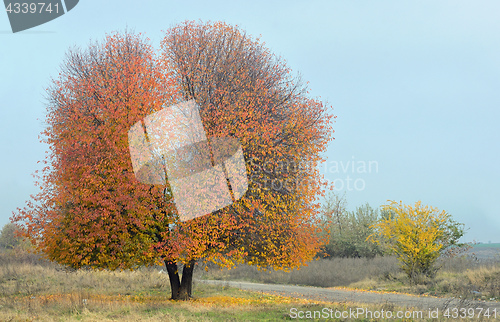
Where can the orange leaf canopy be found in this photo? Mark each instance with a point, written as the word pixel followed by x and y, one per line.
pixel 92 211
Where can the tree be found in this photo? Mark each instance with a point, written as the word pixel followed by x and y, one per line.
pixel 417 235
pixel 247 93
pixel 9 239
pixel 348 230
pixel 92 211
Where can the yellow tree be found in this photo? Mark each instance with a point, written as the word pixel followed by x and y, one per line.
pixel 417 235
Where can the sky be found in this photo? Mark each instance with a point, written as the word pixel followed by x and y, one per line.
pixel 415 87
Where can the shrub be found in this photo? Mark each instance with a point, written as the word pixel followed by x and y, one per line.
pixel 349 230
pixel 417 236
pixel 9 240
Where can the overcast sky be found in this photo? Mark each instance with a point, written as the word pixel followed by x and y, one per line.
pixel 415 86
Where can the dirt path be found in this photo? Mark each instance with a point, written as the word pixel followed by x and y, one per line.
pixel 340 295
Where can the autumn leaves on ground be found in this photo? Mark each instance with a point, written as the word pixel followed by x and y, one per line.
pixel 91 212
pixel 34 290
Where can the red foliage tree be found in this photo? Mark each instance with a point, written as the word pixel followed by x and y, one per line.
pixel 91 209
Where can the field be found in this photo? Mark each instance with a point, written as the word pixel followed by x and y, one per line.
pixel 34 290
pixel 485 252
pixel 466 276
pixel 39 291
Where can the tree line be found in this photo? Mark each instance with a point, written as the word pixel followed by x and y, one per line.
pixel 416 234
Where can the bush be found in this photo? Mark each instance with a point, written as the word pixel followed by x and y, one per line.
pixel 9 240
pixel 349 230
pixel 417 236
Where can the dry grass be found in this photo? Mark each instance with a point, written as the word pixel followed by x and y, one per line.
pixel 32 290
pixel 27 278
pixel 461 276
pixel 322 272
pixel 458 277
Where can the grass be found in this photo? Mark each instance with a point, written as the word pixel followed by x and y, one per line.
pixel 34 290
pixel 476 282
pixel 464 276
pixel 322 272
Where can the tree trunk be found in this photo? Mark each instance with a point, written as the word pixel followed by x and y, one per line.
pixel 181 290
pixel 173 275
pixel 187 281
